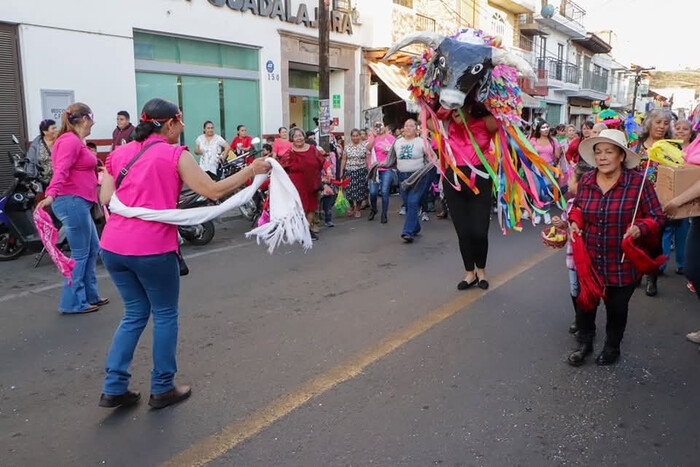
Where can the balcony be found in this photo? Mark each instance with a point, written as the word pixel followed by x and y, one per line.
pixel 534 88
pixel 594 86
pixel 560 74
pixel 424 23
pixel 530 27
pixel 524 43
pixel 516 6
pixel 568 20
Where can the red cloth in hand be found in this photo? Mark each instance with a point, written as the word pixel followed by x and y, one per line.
pixel 636 254
pixel 592 286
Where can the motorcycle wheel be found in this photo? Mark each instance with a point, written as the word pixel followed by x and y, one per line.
pixel 205 236
pixel 11 247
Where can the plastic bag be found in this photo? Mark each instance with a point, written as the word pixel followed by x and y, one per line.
pixel 341 203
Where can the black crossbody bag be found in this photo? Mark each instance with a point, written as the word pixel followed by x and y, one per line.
pixel 184 270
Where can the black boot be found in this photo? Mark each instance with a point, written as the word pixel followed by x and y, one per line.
pixel 578 356
pixel 609 355
pixel 372 213
pixel 573 329
pixel 651 285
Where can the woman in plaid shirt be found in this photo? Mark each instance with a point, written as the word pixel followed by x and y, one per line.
pixel 606 201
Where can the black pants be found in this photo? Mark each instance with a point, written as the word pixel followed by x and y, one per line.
pixel 692 254
pixel 471 216
pixel 617 301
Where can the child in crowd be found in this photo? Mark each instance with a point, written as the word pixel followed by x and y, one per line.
pixel 562 223
pixel 329 192
pixel 267 150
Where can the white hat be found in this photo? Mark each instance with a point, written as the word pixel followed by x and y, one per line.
pixel 615 137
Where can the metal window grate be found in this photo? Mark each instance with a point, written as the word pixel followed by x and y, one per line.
pixel 425 23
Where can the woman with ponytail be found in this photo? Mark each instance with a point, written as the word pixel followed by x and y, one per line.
pixel 71 194
pixel 141 255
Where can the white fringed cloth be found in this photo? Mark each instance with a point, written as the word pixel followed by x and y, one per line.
pixel 288 224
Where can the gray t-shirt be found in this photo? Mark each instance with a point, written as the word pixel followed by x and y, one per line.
pixel 410 154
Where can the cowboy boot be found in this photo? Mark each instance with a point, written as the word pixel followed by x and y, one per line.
pixel 651 289
pixel 578 356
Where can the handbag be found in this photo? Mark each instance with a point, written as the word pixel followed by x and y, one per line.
pixel 184 270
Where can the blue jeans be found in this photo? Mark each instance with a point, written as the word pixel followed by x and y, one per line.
pixel 327 202
pixel 74 214
pixel 411 199
pixel 147 284
pixel 574 286
pixel 678 230
pixel 386 177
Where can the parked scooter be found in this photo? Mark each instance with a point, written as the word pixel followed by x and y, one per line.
pixel 199 234
pixel 17 230
pixel 252 210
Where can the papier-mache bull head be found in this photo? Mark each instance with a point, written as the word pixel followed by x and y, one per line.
pixel 461 64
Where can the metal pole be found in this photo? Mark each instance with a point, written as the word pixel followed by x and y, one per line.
pixel 323 74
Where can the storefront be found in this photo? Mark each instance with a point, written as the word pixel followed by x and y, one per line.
pixel 234 63
pixel 11 105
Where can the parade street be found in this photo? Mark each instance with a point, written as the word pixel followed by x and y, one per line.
pixel 359 352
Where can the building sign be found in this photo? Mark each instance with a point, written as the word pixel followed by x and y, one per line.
pixel 340 21
pixel 336 101
pixel 324 117
pixel 54 103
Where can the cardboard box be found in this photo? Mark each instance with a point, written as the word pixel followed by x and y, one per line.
pixel 671 182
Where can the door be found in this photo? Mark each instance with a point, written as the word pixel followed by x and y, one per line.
pixel 12 118
pixel 554 114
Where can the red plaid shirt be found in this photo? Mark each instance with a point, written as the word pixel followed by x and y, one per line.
pixel 608 216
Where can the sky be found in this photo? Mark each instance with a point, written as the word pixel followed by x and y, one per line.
pixel 658 33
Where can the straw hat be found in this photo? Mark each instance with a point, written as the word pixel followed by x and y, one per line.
pixel 615 137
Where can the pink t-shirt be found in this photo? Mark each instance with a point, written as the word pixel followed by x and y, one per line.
pixel 74 169
pixel 281 146
pixel 382 146
pixel 152 182
pixel 546 152
pixel 462 146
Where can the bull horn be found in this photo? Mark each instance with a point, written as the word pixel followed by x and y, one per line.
pixel 503 57
pixel 431 39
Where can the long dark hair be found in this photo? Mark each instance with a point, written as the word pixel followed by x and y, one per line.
pixel 155 112
pixel 536 131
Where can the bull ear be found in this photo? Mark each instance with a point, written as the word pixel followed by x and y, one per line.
pixel 431 39
pixel 503 57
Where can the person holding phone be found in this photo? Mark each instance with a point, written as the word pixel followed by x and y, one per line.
pixel 381 141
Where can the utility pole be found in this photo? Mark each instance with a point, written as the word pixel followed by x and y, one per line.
pixel 637 81
pixel 324 107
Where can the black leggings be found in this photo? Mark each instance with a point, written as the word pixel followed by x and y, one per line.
pixel 617 301
pixel 692 254
pixel 471 216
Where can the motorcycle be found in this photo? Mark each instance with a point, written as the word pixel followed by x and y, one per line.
pixel 17 229
pixel 252 210
pixel 200 234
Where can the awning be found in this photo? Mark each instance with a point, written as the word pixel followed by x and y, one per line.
pixel 393 76
pixel 574 110
pixel 531 102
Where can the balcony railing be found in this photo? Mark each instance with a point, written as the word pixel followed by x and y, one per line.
pixel 559 70
pixel 524 43
pixel 425 23
pixel 572 11
pixel 406 3
pixel 595 82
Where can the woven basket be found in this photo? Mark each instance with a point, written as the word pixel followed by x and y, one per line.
pixel 553 243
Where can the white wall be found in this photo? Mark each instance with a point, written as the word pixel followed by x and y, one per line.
pixel 337 86
pixel 86 45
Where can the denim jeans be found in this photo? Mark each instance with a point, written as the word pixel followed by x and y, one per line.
pixel 386 177
pixel 148 285
pixel 74 214
pixel 675 230
pixel 574 286
pixel 327 202
pixel 411 199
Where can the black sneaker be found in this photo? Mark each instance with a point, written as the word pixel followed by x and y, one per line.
pixel 124 400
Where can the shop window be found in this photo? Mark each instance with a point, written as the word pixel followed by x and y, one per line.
pixel 242 107
pixel 300 79
pixel 186 51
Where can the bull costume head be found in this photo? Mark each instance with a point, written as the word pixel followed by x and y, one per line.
pixel 462 64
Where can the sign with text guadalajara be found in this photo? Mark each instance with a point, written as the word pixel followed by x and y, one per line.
pixel 340 21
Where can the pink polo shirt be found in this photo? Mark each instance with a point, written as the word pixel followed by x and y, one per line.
pixel 74 169
pixel 152 182
pixel 281 146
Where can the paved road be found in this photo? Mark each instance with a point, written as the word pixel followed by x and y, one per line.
pixel 360 352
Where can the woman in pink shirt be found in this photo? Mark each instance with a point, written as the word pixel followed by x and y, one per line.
pixel 380 141
pixel 548 149
pixel 282 143
pixel 141 256
pixel 470 212
pixel 71 194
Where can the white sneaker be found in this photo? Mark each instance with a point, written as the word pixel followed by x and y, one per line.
pixel 526 215
pixel 547 218
pixel 694 337
pixel 402 211
pixel 424 217
pixel 538 219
